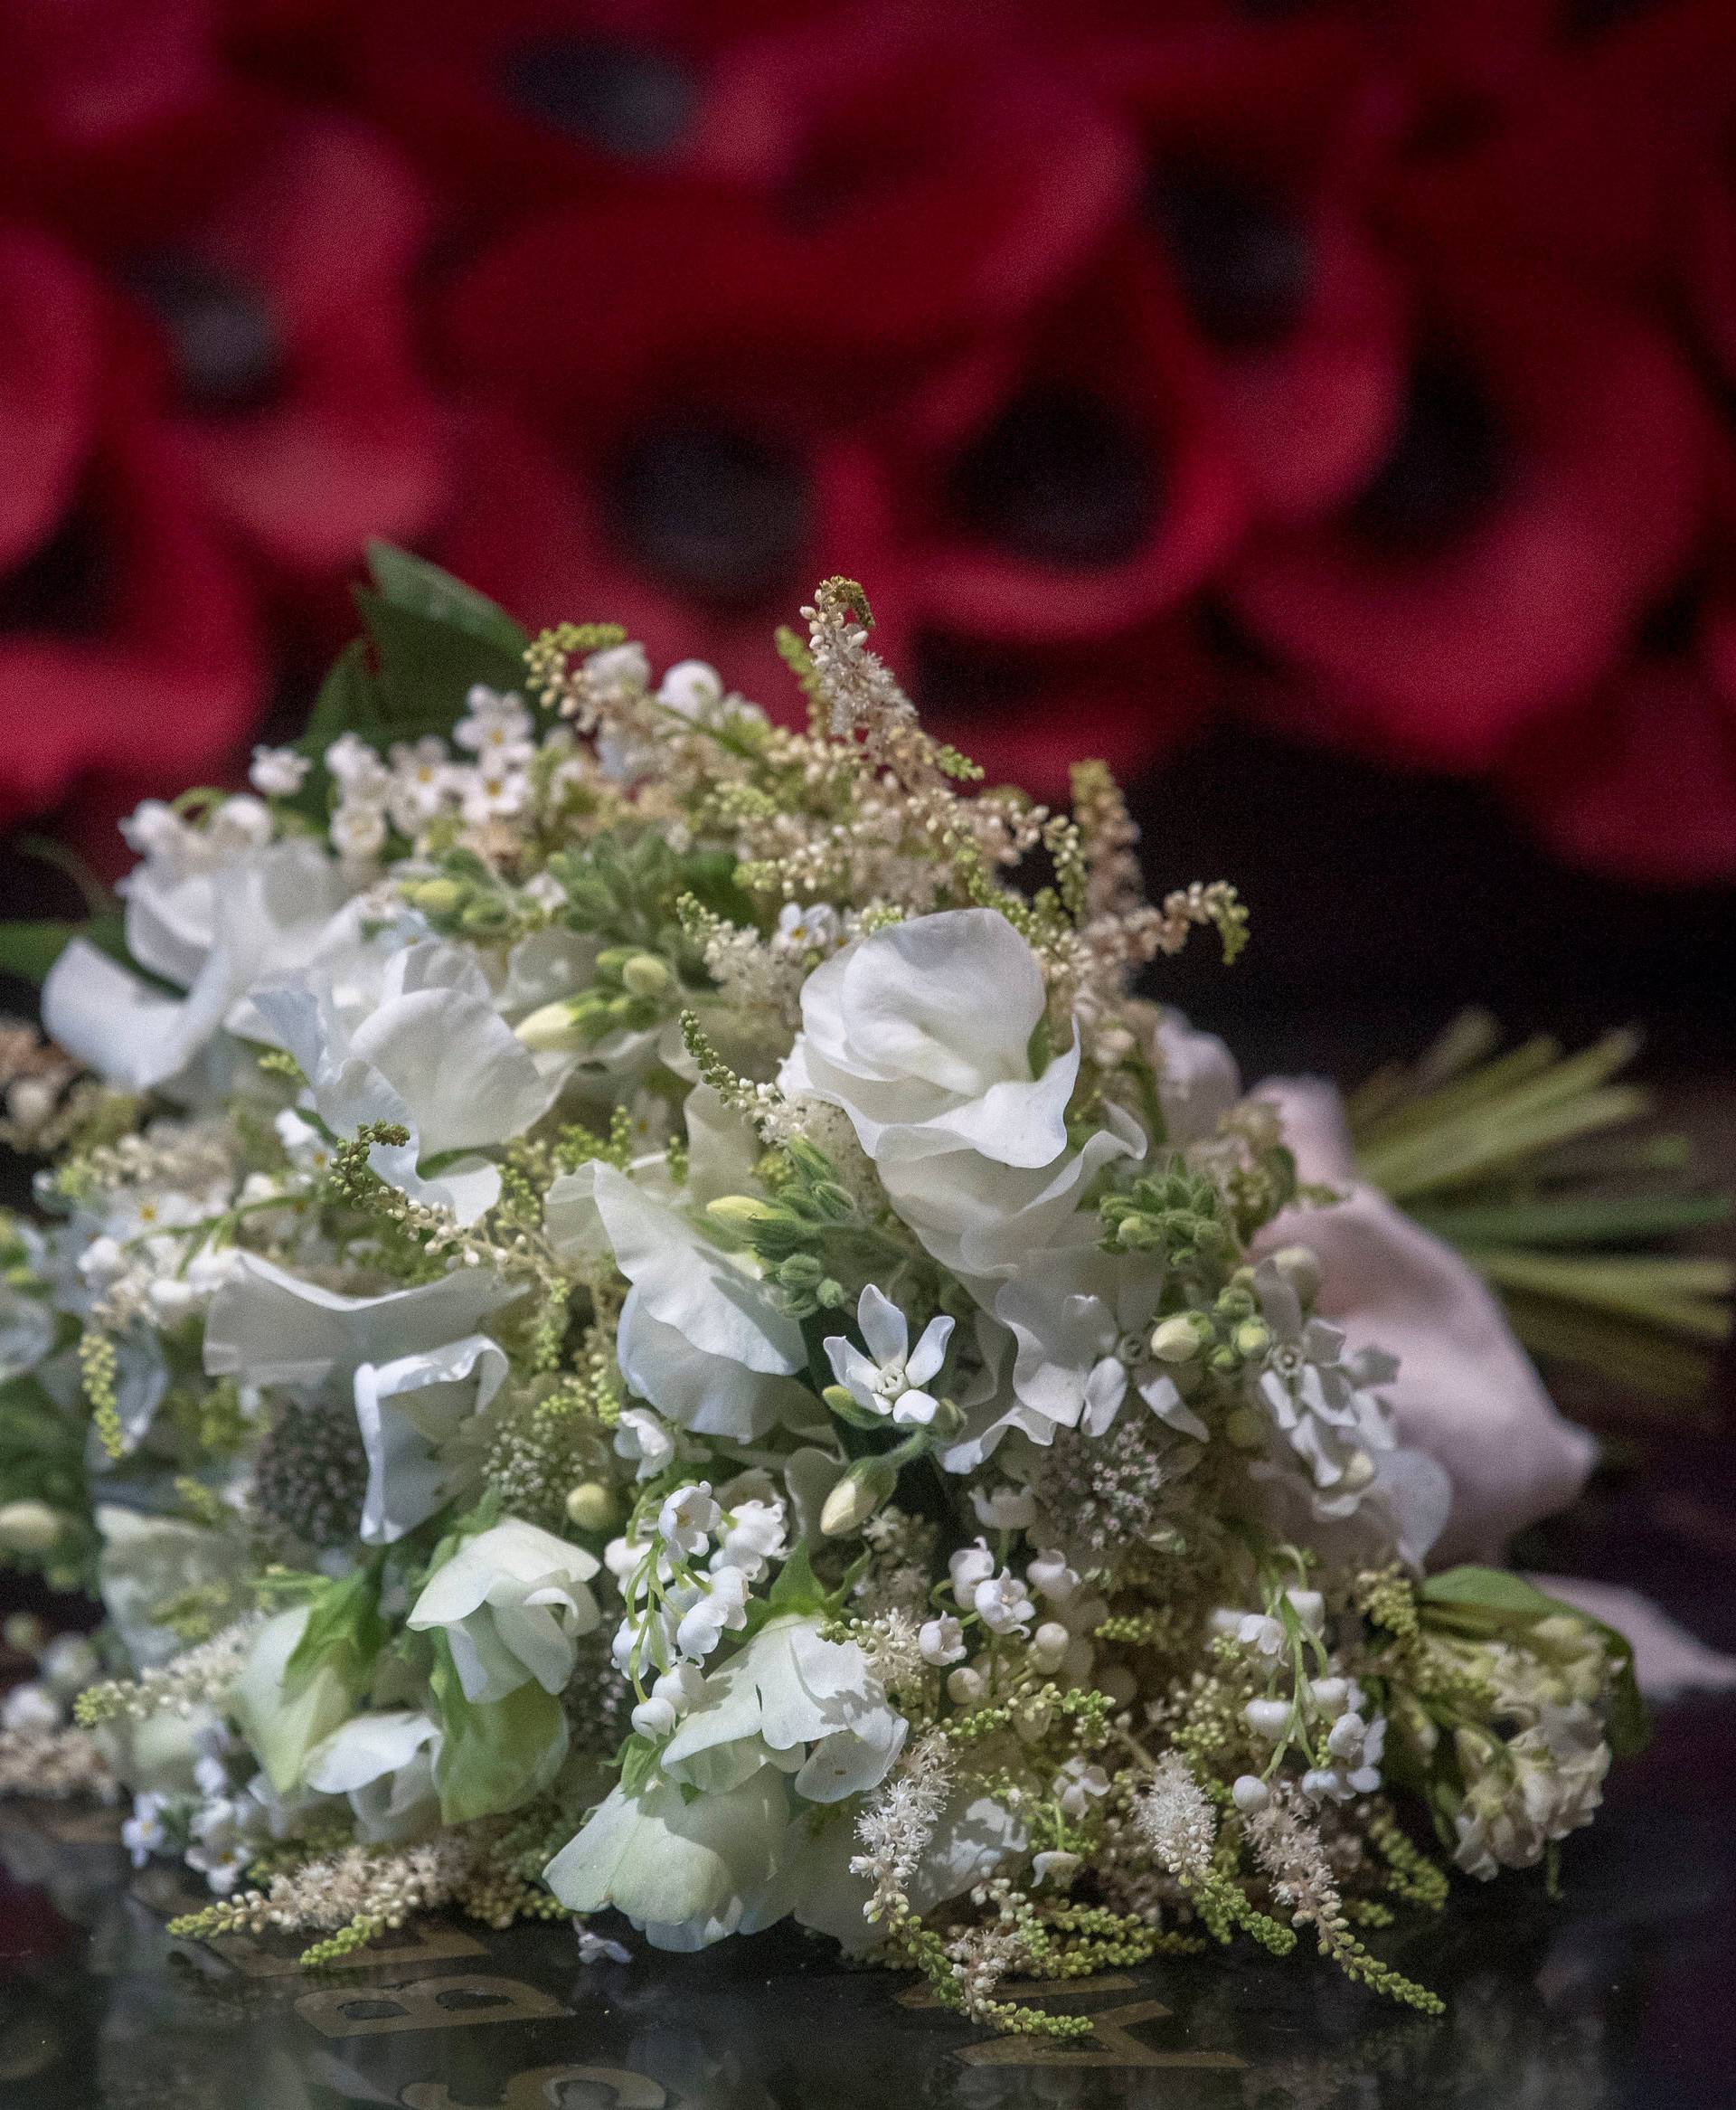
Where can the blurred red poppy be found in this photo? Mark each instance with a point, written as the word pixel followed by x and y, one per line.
pixel 1546 479
pixel 127 639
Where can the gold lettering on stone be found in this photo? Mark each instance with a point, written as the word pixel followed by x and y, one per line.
pixel 553 2087
pixel 424 2003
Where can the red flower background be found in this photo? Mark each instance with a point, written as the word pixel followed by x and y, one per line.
pixel 1366 371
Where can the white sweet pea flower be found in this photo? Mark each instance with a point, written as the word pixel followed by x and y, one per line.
pixel 212 931
pixel 512 1601
pixel 384 1764
pixel 646 1440
pixel 68 1664
pixel 434 1056
pixel 794 1700
pixel 408 1410
pixel 685 1872
pixel 697 1338
pixel 282 1730
pixel 269 1327
pixel 923 1033
pixel 889 1379
pixel 145 1564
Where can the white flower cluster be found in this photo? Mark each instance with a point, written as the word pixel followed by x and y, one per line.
pixel 705 1289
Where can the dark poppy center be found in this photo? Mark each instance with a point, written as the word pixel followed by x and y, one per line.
pixel 715 511
pixel 63 586
pixel 228 355
pixel 1061 479
pixel 1245 260
pixel 957 683
pixel 1449 464
pixel 1590 18
pixel 626 98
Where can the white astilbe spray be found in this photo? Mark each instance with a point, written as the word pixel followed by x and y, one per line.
pixel 199 1677
pixel 1289 1847
pixel 861 693
pixel 358 1885
pixel 892 1647
pixel 981 1957
pixel 55 1766
pixel 897 1825
pixel 1176 1821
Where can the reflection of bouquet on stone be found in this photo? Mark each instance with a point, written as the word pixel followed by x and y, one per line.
pixel 624 1321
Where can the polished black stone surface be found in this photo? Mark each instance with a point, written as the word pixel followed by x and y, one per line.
pixel 1617 1994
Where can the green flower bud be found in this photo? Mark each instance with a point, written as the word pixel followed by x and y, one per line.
pixel 644 975
pixel 744 1213
pixel 1300 1267
pixel 856 1497
pixel 435 897
pixel 30 1527
pixel 1252 1339
pixel 555 1029
pixel 1182 1338
pixel 591 1506
pixel 26 1634
pixel 833 1202
pixel 485 913
pixel 1246 1429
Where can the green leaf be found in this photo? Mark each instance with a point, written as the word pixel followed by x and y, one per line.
pixel 347 702
pixel 425 668
pixel 412 582
pixel 497 1754
pixel 29 950
pixel 638 1759
pixel 345 1633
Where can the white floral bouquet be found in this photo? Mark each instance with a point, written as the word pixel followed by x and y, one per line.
pixel 621 1318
